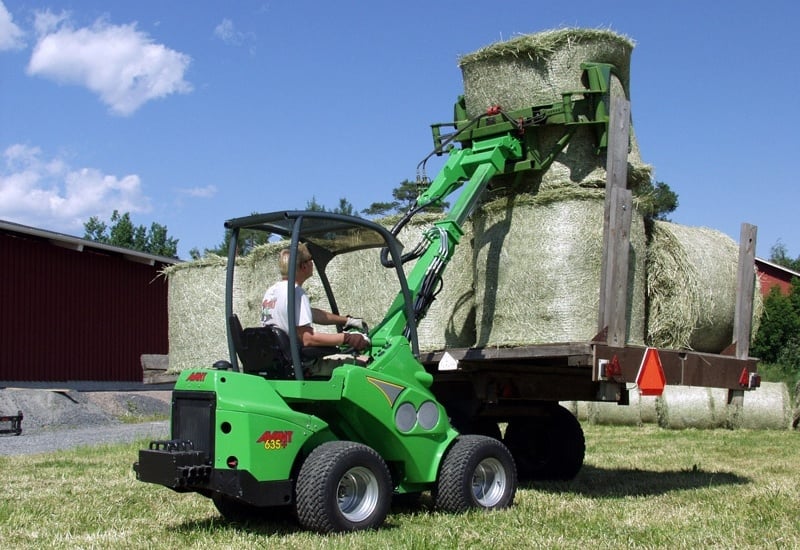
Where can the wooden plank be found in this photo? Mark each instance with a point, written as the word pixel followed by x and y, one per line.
pixel 154 361
pixel 616 289
pixel 617 178
pixel 745 287
pixel 536 351
pixel 682 368
pixel 158 377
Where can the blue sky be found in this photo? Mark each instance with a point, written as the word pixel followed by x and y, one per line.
pixel 188 113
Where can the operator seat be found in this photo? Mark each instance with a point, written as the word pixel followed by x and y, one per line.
pixel 266 351
pixel 262 350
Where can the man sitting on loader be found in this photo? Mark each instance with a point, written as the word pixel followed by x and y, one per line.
pixel 275 311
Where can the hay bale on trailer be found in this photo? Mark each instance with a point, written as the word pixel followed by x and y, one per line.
pixel 537 269
pixel 691 288
pixel 536 69
pixel 196 312
pixel 197 326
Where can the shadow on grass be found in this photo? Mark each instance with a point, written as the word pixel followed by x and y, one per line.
pixel 601 483
pixel 274 522
pixel 279 524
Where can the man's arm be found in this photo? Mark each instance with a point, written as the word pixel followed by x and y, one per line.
pixel 309 338
pixel 322 317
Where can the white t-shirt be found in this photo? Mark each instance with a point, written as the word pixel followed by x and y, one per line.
pixel 275 306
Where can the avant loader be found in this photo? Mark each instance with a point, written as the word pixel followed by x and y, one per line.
pixel 257 435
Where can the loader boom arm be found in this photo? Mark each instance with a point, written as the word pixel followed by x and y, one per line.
pixel 468 168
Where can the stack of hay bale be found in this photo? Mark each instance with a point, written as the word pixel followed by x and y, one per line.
pixel 539 244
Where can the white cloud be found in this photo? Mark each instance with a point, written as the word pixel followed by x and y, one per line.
pixel 48 193
pixel 199 192
pixel 227 32
pixel 119 63
pixel 11 36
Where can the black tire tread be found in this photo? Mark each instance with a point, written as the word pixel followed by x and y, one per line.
pixel 315 510
pixel 453 492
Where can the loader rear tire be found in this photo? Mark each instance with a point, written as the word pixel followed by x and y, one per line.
pixel 477 472
pixel 343 486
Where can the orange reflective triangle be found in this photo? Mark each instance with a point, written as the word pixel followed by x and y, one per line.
pixel 651 379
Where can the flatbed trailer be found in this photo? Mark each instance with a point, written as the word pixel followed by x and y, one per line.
pixel 505 382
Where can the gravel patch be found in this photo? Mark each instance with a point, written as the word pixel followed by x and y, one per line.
pixel 57 420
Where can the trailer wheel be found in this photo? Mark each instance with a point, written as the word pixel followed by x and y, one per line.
pixel 550 447
pixel 343 486
pixel 477 472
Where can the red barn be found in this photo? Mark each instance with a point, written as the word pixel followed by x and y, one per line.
pixel 770 274
pixel 77 310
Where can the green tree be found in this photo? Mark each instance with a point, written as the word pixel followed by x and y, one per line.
pixel 404 196
pixel 314 206
pixel 780 255
pixel 122 232
pixel 656 200
pixel 779 324
pixel 248 240
pixel 345 207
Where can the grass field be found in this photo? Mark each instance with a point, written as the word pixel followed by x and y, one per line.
pixel 639 488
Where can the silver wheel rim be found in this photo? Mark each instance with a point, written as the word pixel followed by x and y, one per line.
pixel 489 482
pixel 357 494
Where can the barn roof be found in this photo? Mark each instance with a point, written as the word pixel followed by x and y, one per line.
pixel 774 266
pixel 80 245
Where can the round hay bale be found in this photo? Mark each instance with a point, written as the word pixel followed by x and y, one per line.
pixel 537 262
pixel 691 288
pixel 196 311
pixel 767 408
pixel 571 406
pixel 682 407
pixel 613 414
pixel 648 408
pixel 362 286
pixel 536 69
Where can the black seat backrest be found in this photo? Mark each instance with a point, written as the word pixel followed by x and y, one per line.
pixel 262 350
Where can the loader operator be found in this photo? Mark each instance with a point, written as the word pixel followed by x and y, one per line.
pixel 275 311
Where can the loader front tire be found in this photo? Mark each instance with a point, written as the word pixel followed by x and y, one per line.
pixel 477 472
pixel 343 486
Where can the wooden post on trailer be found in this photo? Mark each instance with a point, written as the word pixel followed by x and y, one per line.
pixel 745 287
pixel 612 314
pixel 743 312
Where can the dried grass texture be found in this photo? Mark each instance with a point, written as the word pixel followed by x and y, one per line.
pixel 691 288
pixel 681 407
pixel 535 70
pixel 767 408
pixel 537 269
pixel 197 329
